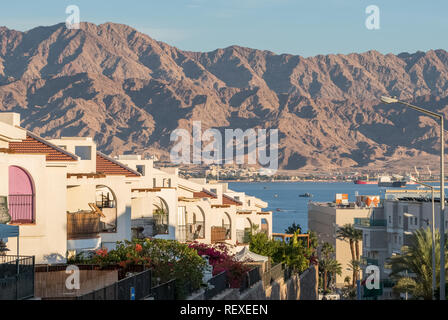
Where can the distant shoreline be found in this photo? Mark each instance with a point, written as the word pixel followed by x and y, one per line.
pixel 327 181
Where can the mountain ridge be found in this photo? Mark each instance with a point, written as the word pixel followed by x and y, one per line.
pixel 130 92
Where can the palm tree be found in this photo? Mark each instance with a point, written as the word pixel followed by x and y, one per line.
pixel 328 265
pixel 293 228
pixel 412 269
pixel 357 237
pixel 348 233
pixel 355 266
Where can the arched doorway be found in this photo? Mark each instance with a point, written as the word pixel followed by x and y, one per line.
pixel 21 196
pixel 107 203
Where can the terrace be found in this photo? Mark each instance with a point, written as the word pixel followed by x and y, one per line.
pixel 83 225
pixel 369 222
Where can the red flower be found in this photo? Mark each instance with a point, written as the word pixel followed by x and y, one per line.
pixel 102 252
pixel 138 247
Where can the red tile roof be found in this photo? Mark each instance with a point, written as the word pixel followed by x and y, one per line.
pixel 34 144
pixel 230 201
pixel 204 194
pixel 109 166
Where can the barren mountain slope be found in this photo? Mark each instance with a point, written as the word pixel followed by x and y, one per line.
pixel 130 92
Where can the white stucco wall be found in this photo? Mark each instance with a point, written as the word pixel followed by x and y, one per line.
pixel 46 238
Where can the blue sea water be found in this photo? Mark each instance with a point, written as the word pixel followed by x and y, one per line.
pixel 294 208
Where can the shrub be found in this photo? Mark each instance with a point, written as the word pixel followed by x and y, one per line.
pixel 293 253
pixel 222 261
pixel 168 259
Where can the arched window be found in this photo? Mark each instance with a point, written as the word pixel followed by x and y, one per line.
pixel 21 196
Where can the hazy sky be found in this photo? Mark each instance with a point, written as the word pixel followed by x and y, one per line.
pixel 282 26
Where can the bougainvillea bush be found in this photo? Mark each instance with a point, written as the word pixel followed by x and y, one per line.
pixel 222 261
pixel 167 258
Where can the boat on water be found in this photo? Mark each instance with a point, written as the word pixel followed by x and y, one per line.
pixel 365 180
pixel 388 182
pixel 361 181
pixel 306 195
pixel 394 181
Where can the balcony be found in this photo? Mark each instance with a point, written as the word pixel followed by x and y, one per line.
pixel 21 208
pixel 160 222
pixel 367 222
pixel 195 230
pixel 218 234
pixel 369 261
pixel 191 231
pixel 228 231
pixel 243 236
pixel 83 225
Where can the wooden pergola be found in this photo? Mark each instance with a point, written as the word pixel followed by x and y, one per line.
pixel 285 236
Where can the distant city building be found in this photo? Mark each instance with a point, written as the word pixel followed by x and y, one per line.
pixel 325 218
pixel 389 227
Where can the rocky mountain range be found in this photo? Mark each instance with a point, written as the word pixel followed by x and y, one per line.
pixel 129 92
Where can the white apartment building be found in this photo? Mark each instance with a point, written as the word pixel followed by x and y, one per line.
pixel 390 226
pixel 67 197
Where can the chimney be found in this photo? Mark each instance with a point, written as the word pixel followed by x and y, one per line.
pixel 11 118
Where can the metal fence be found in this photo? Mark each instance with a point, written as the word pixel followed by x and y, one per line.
pixel 276 272
pixel 165 291
pixel 16 277
pixel 250 278
pixel 279 271
pixel 132 288
pixel 217 284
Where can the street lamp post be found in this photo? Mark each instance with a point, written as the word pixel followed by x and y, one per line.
pixel 389 100
pixel 434 284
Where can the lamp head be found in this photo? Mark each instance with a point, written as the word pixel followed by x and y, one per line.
pixel 389 100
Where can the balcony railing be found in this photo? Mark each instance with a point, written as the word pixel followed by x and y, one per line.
pixel 369 261
pixel 367 222
pixel 228 231
pixel 21 208
pixel 243 236
pixel 195 230
pixel 83 225
pixel 160 224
